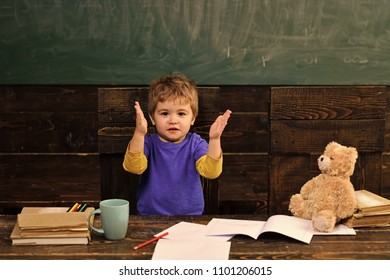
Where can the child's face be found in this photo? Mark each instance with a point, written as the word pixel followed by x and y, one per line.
pixel 173 119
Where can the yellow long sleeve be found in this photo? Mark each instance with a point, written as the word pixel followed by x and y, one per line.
pixel 135 163
pixel 209 167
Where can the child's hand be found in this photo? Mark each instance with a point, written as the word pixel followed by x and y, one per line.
pixel 218 126
pixel 141 123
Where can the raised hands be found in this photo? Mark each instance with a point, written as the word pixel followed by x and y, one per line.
pixel 141 128
pixel 218 126
pixel 141 123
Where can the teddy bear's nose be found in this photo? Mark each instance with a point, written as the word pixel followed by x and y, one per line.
pixel 321 158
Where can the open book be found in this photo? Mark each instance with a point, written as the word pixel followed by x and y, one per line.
pixel 369 202
pixel 373 210
pixel 293 227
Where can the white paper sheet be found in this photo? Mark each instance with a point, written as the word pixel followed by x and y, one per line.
pixel 191 250
pixel 192 231
pixel 188 241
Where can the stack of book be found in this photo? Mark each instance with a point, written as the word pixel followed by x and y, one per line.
pixel 373 210
pixel 51 226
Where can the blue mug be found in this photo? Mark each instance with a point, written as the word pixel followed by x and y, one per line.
pixel 114 216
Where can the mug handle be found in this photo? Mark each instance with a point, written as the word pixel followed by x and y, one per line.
pixel 99 230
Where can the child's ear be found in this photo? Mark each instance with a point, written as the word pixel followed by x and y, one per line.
pixel 152 120
pixel 193 121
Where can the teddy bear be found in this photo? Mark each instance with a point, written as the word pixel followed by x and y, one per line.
pixel 329 197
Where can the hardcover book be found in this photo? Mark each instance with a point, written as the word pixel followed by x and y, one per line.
pixel 373 210
pixel 369 202
pixel 369 220
pixel 51 226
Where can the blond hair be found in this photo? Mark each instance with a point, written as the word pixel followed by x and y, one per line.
pixel 173 87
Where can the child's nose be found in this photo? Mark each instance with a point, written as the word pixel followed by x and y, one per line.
pixel 172 119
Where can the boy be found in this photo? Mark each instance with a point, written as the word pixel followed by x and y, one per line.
pixel 172 160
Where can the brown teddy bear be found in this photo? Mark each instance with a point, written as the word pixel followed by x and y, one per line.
pixel 329 197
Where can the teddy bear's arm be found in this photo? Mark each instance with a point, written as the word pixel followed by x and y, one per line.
pixel 347 203
pixel 307 188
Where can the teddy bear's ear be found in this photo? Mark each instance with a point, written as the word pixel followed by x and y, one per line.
pixel 332 145
pixel 353 153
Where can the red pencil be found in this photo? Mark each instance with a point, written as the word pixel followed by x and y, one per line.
pixel 151 240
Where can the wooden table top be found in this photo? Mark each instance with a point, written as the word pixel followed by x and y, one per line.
pixel 368 243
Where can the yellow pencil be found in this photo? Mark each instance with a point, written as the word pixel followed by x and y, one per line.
pixel 74 207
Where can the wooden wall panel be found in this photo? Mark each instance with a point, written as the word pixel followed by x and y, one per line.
pixel 54 141
pixel 306 119
pixel 328 103
pixel 245 142
pixel 48 146
pixel 243 184
pixel 246 133
pixel 48 119
pixel 116 182
pixel 48 180
pixel 48 132
pixel 287 175
pixel 45 98
pixel 248 128
pixel 296 136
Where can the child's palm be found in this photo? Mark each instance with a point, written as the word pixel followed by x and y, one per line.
pixel 141 122
pixel 219 125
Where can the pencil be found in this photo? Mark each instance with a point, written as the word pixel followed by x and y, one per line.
pixel 73 208
pixel 82 207
pixel 151 240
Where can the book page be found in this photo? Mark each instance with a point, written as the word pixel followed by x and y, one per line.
pixel 235 226
pixel 191 231
pixel 43 210
pixel 339 229
pixel 369 199
pixel 51 241
pixel 290 226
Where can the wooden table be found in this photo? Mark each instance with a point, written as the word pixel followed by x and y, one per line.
pixel 368 243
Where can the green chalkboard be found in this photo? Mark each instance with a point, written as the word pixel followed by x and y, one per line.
pixel 215 42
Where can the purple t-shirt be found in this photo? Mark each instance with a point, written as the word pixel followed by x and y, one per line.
pixel 171 184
